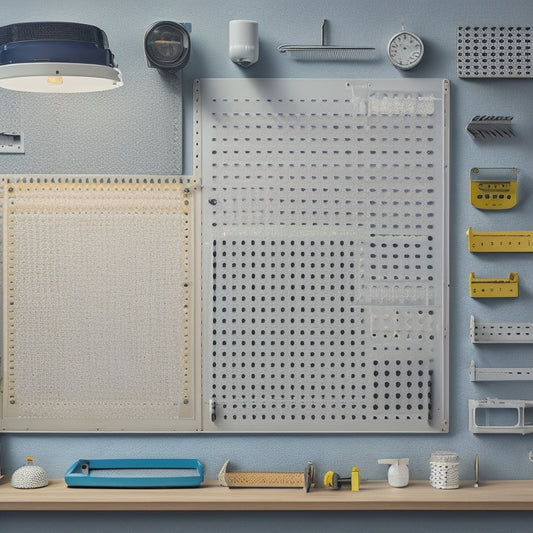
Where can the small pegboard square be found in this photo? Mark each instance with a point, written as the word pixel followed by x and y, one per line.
pixel 494 52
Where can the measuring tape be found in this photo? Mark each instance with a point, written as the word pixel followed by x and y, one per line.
pixel 500 241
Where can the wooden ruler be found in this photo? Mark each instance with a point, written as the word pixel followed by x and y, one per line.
pixel 303 480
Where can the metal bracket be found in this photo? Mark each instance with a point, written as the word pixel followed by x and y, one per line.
pixel 494 287
pixel 493 404
pixel 500 332
pixel 493 188
pixel 500 241
pixel 499 374
pixel 11 142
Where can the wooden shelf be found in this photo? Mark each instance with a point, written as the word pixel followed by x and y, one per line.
pixel 373 496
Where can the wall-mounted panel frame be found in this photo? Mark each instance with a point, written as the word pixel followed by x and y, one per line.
pixel 324 253
pixel 98 304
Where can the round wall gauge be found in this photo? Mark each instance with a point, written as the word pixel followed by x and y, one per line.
pixel 405 50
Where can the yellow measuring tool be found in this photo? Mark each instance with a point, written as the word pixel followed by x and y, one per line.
pixel 494 287
pixel 493 188
pixel 500 241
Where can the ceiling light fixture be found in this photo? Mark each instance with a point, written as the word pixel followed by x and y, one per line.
pixel 56 57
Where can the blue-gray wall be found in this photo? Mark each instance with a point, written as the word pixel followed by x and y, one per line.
pixel 137 135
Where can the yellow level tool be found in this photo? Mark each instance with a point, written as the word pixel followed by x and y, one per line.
pixel 494 287
pixel 500 241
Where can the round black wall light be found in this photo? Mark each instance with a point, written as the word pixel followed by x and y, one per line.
pixel 167 45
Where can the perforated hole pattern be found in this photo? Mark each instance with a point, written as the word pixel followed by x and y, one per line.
pixel 323 255
pixel 98 302
pixel 494 52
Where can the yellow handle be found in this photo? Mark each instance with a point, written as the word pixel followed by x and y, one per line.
pixel 355 479
pixel 328 479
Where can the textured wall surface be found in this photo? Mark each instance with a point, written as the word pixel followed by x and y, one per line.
pixel 136 130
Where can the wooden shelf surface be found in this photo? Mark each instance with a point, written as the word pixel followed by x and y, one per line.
pixel 373 496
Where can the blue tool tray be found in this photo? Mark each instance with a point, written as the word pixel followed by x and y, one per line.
pixel 135 473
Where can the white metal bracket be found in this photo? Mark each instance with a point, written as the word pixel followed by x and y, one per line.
pixel 499 374
pixel 483 410
pixel 500 332
pixel 11 142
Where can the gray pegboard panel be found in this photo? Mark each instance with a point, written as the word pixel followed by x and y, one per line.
pixel 324 252
pixel 494 52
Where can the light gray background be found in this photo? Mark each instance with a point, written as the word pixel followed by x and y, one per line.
pixel 133 130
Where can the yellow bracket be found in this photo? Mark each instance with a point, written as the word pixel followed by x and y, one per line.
pixel 493 188
pixel 494 287
pixel 500 241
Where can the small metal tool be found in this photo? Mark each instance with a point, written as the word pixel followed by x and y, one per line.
pixel 304 479
pixel 476 467
pixel 489 127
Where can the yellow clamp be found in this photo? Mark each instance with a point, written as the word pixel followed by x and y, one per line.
pixel 333 480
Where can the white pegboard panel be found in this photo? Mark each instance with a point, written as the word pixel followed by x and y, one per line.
pixel 98 307
pixel 324 238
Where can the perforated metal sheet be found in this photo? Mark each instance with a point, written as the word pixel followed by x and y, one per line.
pixel 324 242
pixel 494 52
pixel 97 304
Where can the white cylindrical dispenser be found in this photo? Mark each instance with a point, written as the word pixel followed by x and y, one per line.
pixel 398 473
pixel 244 42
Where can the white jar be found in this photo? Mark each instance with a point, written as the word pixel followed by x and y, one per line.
pixel 444 472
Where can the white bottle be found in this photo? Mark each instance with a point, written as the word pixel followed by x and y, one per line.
pixel 244 42
pixel 398 474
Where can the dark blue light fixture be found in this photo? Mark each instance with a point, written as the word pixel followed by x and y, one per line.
pixel 56 57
